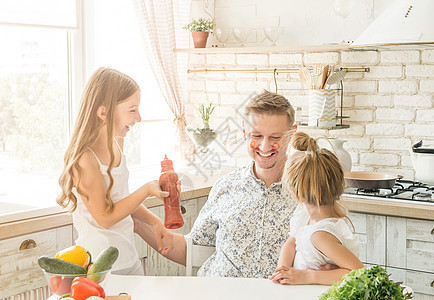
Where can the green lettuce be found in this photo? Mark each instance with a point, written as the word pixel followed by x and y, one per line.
pixel 368 284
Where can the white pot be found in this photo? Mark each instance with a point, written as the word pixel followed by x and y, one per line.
pixel 423 163
pixel 337 147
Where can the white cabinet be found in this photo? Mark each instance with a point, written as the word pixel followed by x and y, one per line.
pixel 404 246
pixel 156 264
pixel 371 233
pixel 19 269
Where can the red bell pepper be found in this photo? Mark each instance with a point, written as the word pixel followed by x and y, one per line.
pixel 83 287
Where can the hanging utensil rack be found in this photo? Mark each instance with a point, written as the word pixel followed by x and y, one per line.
pixel 276 71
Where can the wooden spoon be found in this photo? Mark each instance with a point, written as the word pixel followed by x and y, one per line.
pixel 320 83
pixel 305 77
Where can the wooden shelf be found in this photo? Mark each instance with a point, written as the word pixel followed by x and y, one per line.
pixel 264 50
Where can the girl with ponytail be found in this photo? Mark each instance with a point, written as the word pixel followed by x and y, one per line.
pixel 320 230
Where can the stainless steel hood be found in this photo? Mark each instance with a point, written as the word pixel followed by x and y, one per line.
pixel 405 23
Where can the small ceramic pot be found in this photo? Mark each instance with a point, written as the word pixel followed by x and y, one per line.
pixel 200 38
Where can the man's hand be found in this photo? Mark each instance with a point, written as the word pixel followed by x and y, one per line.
pixel 163 237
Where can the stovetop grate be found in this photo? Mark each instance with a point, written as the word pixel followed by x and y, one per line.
pixel 403 189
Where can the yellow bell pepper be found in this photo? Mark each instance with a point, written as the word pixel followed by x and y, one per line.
pixel 76 255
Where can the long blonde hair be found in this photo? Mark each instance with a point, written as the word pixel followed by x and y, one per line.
pixel 106 87
pixel 315 175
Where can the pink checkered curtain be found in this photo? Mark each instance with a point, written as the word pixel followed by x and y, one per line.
pixel 161 23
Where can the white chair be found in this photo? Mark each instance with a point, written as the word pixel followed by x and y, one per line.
pixel 196 255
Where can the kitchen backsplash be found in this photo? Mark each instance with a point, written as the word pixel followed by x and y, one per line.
pixel 389 108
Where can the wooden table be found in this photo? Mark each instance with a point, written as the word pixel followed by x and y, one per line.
pixel 192 288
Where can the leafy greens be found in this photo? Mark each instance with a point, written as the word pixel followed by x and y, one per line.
pixel 368 284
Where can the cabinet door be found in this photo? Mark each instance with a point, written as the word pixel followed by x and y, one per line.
pixel 371 233
pixel 422 283
pixel 359 222
pixel 410 244
pixel 158 265
pixel 19 269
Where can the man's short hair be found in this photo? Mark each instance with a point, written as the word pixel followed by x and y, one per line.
pixel 271 104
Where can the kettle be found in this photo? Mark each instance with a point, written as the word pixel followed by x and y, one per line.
pixel 423 163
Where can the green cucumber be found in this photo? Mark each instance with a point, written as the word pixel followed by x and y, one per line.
pixel 103 262
pixel 57 266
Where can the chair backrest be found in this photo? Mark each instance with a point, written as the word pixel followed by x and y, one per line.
pixel 196 255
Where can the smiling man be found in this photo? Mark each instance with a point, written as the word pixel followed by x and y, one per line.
pixel 247 214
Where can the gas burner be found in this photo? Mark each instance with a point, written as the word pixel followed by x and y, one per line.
pixel 372 192
pixel 423 196
pixel 368 191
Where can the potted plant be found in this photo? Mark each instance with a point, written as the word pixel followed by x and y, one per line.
pixel 204 136
pixel 200 29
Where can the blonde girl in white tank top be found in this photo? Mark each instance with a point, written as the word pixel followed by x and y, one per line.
pixel 94 181
pixel 321 232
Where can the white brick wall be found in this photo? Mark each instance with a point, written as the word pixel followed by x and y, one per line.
pixel 286 59
pixel 389 108
pixel 382 72
pixel 399 57
pixel 425 115
pixel 428 56
pixel 372 100
pixel 412 100
pixel 359 58
pixel 391 144
pixel 419 130
pixel 257 60
pixel 427 86
pixel 393 114
pixel 380 159
pixel 321 58
pixel 398 86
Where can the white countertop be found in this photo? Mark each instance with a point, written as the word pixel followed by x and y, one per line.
pixel 192 288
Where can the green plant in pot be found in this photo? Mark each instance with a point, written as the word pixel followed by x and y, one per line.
pixel 204 136
pixel 200 29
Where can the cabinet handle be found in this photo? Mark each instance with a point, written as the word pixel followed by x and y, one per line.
pixel 432 284
pixel 183 210
pixel 432 231
pixel 28 244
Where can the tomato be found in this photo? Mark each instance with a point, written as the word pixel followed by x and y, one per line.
pixel 60 286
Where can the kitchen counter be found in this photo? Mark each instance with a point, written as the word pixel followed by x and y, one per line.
pixel 25 222
pixel 390 207
pixel 202 186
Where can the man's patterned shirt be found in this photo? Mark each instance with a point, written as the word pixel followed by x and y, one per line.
pixel 246 222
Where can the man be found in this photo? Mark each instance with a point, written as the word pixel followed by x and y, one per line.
pixel 247 214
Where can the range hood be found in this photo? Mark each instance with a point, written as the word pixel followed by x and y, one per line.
pixel 405 23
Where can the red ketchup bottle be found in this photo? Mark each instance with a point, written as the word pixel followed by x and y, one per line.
pixel 168 181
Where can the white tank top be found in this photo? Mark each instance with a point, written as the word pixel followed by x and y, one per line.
pixel 306 255
pixel 94 237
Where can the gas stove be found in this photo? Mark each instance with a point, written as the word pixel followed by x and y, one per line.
pixel 403 190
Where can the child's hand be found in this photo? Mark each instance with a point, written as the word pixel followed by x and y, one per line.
pixel 285 275
pixel 153 188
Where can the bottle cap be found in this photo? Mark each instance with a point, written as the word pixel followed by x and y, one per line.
pixel 166 162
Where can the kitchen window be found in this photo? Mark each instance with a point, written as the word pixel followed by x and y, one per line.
pixel 114 40
pixel 45 59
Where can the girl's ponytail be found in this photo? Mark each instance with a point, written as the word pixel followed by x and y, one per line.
pixel 314 174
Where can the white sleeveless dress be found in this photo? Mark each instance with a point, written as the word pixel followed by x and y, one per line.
pixel 307 256
pixel 94 237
